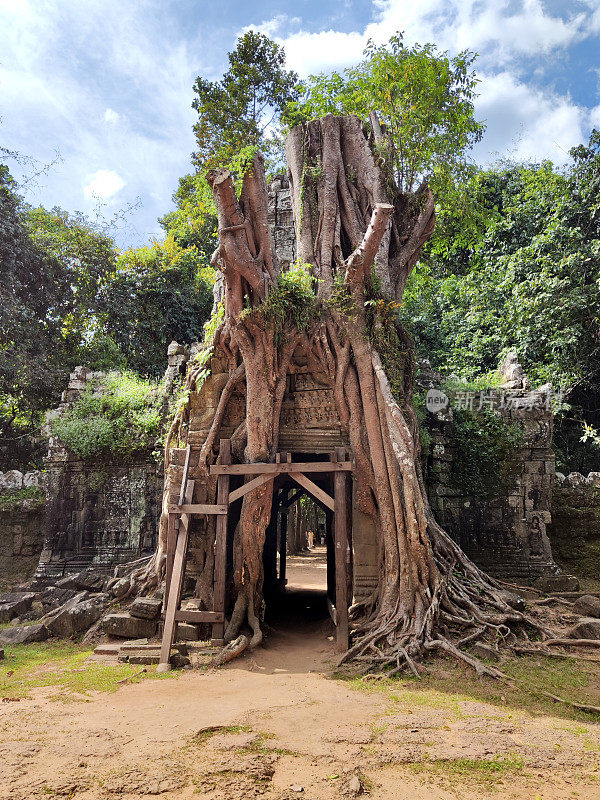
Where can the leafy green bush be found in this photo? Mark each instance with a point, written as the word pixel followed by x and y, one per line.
pixel 12 500
pixel 293 297
pixel 121 417
pixel 483 444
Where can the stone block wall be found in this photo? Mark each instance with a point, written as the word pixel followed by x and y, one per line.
pixel 21 525
pixel 575 528
pixel 281 219
pixel 99 512
pixel 504 535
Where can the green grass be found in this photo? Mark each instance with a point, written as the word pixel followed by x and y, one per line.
pixel 259 745
pixel 61 665
pixel 481 771
pixel 207 733
pixel 449 685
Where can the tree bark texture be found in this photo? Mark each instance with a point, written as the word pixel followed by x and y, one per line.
pixel 361 238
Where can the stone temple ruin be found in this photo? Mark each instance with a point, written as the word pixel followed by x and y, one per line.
pixel 102 516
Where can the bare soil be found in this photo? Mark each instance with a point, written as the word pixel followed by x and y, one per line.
pixel 278 724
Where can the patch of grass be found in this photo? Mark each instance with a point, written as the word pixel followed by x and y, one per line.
pixel 61 664
pixel 482 771
pixel 207 733
pixel 576 680
pixel 408 691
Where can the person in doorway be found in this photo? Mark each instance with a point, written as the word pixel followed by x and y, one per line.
pixel 310 536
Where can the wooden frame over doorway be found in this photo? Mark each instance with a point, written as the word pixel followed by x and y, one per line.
pixel 180 515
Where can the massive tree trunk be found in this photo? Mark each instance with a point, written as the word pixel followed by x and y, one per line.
pixel 361 238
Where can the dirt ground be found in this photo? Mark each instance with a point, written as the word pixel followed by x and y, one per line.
pixel 277 724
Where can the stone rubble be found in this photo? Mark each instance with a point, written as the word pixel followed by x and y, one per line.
pixel 15 604
pixel 24 634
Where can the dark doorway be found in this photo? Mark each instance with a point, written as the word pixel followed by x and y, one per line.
pixel 300 550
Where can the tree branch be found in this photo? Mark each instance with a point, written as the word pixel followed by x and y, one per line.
pixel 358 265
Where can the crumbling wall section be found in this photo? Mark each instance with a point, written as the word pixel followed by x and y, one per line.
pixel 22 502
pixel 505 534
pixel 575 529
pixel 100 512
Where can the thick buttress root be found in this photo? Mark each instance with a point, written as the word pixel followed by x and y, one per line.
pixel 351 224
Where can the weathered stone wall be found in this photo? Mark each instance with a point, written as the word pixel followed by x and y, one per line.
pixel 506 534
pixel 575 528
pixel 21 525
pixel 281 219
pixel 99 512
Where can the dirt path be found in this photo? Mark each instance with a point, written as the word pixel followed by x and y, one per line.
pixel 308 570
pixel 280 723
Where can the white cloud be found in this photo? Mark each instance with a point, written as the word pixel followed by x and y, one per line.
pixel 525 123
pixel 595 117
pixel 111 116
pixel 309 53
pixel 495 28
pixel 103 185
pixel 522 121
pixel 65 65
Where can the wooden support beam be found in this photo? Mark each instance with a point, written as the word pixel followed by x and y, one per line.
pixel 186 468
pixel 248 487
pixel 173 526
pixel 281 469
pixel 340 532
pixel 293 498
pixel 175 586
pixel 220 570
pixel 198 508
pixel 197 617
pixel 314 490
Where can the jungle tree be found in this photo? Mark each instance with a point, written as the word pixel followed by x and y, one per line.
pixel 359 234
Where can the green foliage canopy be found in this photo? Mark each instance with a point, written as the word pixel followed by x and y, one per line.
pixel 243 108
pixel 423 98
pixel 528 278
pixel 120 416
pixel 51 265
pixel 155 295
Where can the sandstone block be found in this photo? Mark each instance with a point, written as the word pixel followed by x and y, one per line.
pixel 585 628
pixel 557 583
pixel 23 634
pixel 53 597
pixel 125 626
pixel 146 607
pixel 574 479
pixel 78 617
pixel 587 606
pixel 13 479
pixel 32 479
pixel 120 587
pixel 187 632
pixel 90 580
pixel 14 604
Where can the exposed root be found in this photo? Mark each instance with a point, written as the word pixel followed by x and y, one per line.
pixel 573 642
pixel 230 651
pixel 571 704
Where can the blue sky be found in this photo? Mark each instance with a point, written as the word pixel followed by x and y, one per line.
pixel 108 83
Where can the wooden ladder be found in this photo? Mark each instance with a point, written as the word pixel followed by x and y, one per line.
pixel 179 521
